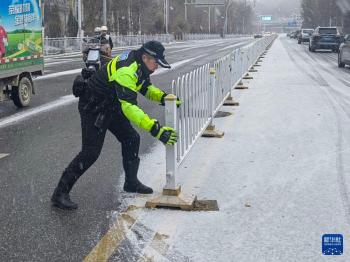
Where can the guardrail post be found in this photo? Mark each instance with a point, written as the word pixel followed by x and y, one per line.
pixel 241 85
pixel 229 100
pixel 171 195
pixel 210 131
pixel 247 76
pixel 171 151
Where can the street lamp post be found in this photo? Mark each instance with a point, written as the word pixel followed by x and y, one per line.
pixel 208 12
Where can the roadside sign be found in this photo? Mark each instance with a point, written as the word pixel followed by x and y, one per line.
pixel 266 18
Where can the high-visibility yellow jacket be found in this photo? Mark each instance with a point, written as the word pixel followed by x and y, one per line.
pixel 126 76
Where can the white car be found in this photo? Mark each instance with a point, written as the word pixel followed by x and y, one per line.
pixel 304 35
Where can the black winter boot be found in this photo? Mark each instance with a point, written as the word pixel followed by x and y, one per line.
pixel 60 197
pixel 132 184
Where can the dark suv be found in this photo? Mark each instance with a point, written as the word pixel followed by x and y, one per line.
pixel 325 38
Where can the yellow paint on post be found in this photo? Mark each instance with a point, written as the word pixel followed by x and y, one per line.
pixel 170 97
pixel 109 243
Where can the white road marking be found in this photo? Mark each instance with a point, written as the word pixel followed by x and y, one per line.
pixel 175 65
pixel 232 46
pixel 63 73
pixel 195 46
pixel 10 120
pixel 65 61
pixel 3 155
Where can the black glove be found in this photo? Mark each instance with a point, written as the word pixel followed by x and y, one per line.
pixel 165 134
pixel 79 86
pixel 87 73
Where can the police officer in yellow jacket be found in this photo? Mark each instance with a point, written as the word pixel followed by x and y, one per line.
pixel 108 101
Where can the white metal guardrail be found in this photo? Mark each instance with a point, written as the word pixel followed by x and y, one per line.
pixel 131 40
pixel 187 37
pixel 66 45
pixel 203 91
pixel 54 46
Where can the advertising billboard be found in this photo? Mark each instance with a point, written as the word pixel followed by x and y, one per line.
pixel 21 41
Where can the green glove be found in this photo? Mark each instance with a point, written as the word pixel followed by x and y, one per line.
pixel 165 134
pixel 178 102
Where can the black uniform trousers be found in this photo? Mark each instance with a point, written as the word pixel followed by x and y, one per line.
pixel 93 139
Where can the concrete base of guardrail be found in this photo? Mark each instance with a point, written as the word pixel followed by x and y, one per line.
pixel 241 86
pixel 173 198
pixel 230 102
pixel 210 131
pixel 221 114
pixel 247 77
pixel 182 202
pixel 253 70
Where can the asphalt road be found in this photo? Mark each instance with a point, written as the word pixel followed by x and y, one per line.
pixel 41 145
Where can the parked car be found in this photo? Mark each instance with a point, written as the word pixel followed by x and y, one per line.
pixel 344 52
pixel 295 35
pixel 305 35
pixel 292 34
pixel 325 38
pixel 258 36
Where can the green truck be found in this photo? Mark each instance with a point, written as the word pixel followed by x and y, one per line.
pixel 21 49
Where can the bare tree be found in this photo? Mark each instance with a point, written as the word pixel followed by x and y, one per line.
pixel 321 13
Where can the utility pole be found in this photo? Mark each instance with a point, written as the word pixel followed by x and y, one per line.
pixel 118 25
pixel 228 3
pixel 166 15
pixel 185 10
pixel 140 31
pixel 209 18
pixel 79 19
pixel 105 12
pixel 130 29
pixel 244 14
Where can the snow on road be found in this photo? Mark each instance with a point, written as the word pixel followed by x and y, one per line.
pixel 280 174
